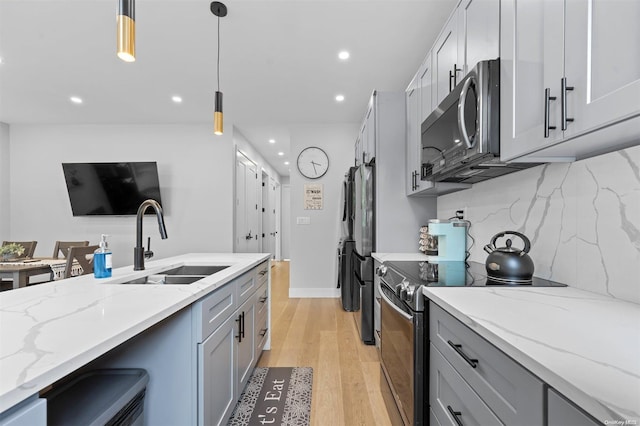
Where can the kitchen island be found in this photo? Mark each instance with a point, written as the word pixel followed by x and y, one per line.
pixel 51 330
pixel 584 345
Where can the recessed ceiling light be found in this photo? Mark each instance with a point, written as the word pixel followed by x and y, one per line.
pixel 286 163
pixel 344 55
pixel 272 141
pixel 281 153
pixel 1 59
pixel 75 100
pixel 339 98
pixel 176 99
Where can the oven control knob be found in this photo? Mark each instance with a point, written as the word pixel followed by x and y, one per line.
pixel 401 289
pixel 382 271
pixel 409 292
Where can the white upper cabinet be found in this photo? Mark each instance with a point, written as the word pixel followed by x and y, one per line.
pixel 567 70
pixel 425 91
pixel 602 62
pixel 478 32
pixel 471 35
pixel 446 67
pixel 412 98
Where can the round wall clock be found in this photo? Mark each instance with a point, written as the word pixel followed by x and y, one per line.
pixel 313 162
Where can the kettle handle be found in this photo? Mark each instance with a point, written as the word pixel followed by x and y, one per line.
pixel 527 243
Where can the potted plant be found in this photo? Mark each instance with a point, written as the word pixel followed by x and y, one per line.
pixel 11 251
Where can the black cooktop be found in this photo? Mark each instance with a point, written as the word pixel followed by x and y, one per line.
pixel 456 274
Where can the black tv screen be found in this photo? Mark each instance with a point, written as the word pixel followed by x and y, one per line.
pixel 111 188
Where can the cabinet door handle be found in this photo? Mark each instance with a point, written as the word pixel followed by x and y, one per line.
pixel 563 102
pixel 458 348
pixel 453 76
pixel 240 334
pixel 547 99
pixel 242 328
pixel 455 415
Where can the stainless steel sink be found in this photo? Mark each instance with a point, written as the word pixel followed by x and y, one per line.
pixel 185 274
pixel 195 270
pixel 166 279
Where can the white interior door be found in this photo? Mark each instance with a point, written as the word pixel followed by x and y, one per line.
pixel 272 217
pixel 247 215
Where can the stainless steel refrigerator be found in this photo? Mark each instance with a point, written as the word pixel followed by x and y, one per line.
pixel 349 292
pixel 364 237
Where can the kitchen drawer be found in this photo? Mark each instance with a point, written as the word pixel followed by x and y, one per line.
pixel 214 309
pixel 246 286
pixel 563 413
pixel 262 273
pixel 262 300
pixel 261 331
pixel 514 395
pixel 449 394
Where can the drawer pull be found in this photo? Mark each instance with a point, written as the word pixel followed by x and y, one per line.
pixel 262 272
pixel 263 332
pixel 458 348
pixel 455 415
pixel 263 299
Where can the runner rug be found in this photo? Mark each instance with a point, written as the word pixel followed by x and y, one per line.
pixel 275 396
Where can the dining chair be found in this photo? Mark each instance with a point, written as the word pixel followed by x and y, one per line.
pixel 80 254
pixel 64 246
pixel 29 247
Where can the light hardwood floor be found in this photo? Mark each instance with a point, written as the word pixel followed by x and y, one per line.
pixel 318 333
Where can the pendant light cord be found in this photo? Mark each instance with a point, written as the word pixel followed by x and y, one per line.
pixel 218 73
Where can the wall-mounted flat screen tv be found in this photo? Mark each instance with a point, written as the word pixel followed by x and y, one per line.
pixel 111 188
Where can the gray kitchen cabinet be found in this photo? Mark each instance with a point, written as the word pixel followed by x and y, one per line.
pixel 569 87
pixel 217 387
pixel 511 393
pixel 245 341
pixel 225 324
pixel 261 324
pixel 561 412
pixel 31 412
pixel 452 400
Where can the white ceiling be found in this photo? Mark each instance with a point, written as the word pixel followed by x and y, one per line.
pixel 279 63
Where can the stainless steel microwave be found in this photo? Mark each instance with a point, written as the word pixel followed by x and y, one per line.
pixel 461 137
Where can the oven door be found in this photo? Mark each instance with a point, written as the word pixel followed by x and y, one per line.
pixel 397 342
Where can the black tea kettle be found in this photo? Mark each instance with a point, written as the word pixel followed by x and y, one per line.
pixel 509 264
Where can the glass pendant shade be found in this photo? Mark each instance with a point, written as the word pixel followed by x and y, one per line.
pixel 126 30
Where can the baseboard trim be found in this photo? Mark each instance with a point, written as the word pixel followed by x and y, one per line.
pixel 313 293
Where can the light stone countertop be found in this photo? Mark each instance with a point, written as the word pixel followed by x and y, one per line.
pixel 583 344
pixel 50 330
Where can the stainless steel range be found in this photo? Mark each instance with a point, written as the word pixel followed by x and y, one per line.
pixel 403 334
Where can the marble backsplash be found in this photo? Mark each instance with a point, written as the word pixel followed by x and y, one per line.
pixel 583 220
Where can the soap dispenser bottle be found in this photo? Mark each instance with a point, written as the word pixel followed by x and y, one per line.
pixel 102 259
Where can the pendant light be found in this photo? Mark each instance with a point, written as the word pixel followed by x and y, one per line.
pixel 220 10
pixel 126 22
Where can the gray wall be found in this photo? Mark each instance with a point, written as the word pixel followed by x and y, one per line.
pixel 195 169
pixel 583 220
pixel 5 201
pixel 314 247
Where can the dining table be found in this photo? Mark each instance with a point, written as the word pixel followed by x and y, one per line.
pixel 21 270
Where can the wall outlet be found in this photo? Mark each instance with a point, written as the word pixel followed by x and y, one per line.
pixel 303 220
